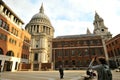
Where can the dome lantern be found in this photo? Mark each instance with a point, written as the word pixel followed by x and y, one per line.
pixel 42 9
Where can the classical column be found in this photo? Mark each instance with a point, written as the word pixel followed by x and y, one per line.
pixel 32 28
pixel 40 66
pixel 42 57
pixel 35 28
pixel 5 11
pixel 105 50
pixel 13 65
pixel 40 43
pixel 1 8
pixel 29 29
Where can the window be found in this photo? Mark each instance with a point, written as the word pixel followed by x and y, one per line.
pixel 66 52
pixel 0 22
pixel 3 37
pixel 59 52
pixel 36 46
pixel 43 28
pixel 86 51
pixel 102 30
pixel 36 56
pixel 12 41
pixel 78 63
pixel 31 28
pixel 66 62
pixel 3 24
pixel 7 27
pixel 79 53
pixel 73 53
pixel 37 28
pixel 12 30
pixel 93 51
pixel 73 62
pixel 118 49
pixel 10 53
pixel 1 51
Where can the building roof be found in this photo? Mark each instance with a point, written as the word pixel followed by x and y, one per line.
pixel 41 15
pixel 11 11
pixel 77 36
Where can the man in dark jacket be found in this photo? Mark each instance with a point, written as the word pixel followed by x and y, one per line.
pixel 61 71
pixel 103 70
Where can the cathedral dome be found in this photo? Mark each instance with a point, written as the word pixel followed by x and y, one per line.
pixel 40 23
pixel 40 17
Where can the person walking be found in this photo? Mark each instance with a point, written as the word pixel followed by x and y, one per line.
pixel 102 68
pixel 61 71
pixel 0 68
pixel 0 71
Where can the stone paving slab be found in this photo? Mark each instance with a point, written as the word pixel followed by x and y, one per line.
pixel 5 79
pixel 48 75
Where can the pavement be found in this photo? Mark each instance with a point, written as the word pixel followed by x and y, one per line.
pixel 49 75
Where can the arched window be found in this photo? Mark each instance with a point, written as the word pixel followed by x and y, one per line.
pixel 1 23
pixel 10 53
pixel 36 56
pixel 1 51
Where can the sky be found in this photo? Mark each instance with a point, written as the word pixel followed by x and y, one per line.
pixel 70 17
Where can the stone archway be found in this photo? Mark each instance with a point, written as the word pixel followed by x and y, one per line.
pixel 10 53
pixel 1 51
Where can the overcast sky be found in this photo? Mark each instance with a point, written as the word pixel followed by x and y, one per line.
pixel 70 17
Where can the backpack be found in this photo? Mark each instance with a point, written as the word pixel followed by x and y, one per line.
pixel 107 75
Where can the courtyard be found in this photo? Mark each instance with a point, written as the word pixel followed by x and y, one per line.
pixel 49 75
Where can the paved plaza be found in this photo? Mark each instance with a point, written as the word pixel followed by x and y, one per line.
pixel 48 75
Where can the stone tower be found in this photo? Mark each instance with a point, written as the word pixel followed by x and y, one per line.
pixel 88 31
pixel 42 33
pixel 100 28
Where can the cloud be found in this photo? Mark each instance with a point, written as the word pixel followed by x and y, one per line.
pixel 70 17
pixel 65 27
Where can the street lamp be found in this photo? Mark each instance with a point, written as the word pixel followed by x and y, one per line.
pixel 62 54
pixel 54 58
pixel 113 49
pixel 88 44
pixel 105 50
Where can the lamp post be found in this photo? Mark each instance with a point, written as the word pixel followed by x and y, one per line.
pixel 62 55
pixel 113 49
pixel 54 57
pixel 105 50
pixel 88 43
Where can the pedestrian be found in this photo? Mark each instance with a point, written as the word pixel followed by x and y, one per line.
pixel 119 68
pixel 102 68
pixel 0 70
pixel 61 71
pixel 0 67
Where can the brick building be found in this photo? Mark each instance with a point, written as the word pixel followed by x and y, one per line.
pixel 76 51
pixel 14 41
pixel 113 49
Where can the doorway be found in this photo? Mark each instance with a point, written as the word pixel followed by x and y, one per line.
pixel 8 66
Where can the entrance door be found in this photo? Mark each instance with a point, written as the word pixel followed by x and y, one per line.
pixel 0 62
pixel 8 65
